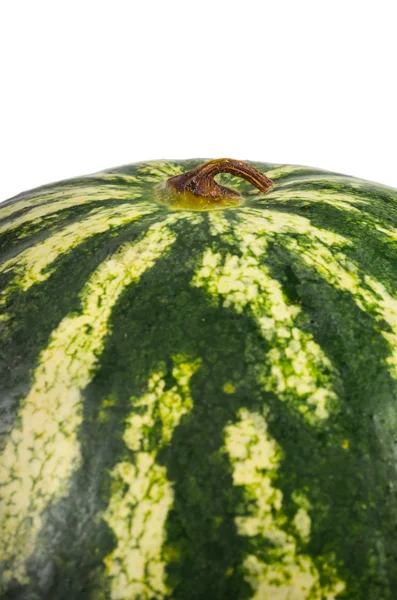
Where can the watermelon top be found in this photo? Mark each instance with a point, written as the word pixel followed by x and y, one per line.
pixel 199 404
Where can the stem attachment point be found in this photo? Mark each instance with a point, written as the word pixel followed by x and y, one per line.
pixel 198 190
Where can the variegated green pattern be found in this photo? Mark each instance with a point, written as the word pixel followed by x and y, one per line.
pixel 199 405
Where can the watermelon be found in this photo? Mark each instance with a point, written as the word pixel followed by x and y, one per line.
pixel 198 385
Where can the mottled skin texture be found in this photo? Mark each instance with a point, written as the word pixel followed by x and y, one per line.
pixel 199 405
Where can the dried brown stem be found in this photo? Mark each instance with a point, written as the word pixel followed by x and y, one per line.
pixel 200 181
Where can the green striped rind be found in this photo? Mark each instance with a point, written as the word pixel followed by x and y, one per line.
pixel 199 405
pixel 137 565
pixel 42 450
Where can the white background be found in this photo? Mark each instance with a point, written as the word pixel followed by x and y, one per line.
pixel 91 85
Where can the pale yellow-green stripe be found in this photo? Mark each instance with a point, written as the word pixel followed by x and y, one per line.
pixel 264 225
pixel 313 175
pixel 159 170
pixel 142 493
pixel 297 368
pixel 324 178
pixel 340 200
pixel 280 170
pixel 370 295
pixel 71 195
pixel 322 251
pixel 286 573
pixel 51 210
pixel 391 233
pixel 42 450
pixel 32 265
